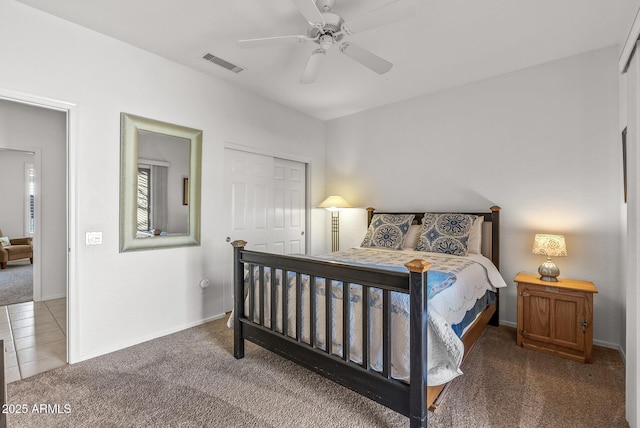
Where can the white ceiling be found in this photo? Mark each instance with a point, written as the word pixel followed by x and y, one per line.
pixel 445 43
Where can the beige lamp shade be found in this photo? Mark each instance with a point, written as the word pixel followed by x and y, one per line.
pixel 335 203
pixel 549 245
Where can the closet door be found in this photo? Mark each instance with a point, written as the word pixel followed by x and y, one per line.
pixel 289 190
pixel 267 200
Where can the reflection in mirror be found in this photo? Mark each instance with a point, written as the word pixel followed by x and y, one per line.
pixel 158 159
pixel 163 164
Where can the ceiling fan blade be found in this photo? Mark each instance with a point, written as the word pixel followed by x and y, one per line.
pixel 309 10
pixel 366 58
pixel 313 66
pixel 270 41
pixel 387 14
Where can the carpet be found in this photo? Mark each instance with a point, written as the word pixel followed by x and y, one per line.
pixel 508 386
pixel 190 379
pixel 16 283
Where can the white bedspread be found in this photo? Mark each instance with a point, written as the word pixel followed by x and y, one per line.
pixel 455 283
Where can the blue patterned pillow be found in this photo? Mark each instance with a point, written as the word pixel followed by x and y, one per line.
pixel 445 233
pixel 387 230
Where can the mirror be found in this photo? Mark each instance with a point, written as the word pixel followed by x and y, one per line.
pixel 160 172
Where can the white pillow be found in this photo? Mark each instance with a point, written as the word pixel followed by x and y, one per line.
pixel 474 244
pixel 412 237
pixel 4 241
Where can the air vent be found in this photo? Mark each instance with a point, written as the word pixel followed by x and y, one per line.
pixel 222 63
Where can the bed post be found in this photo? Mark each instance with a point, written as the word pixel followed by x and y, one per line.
pixel 495 257
pixel 370 211
pixel 418 341
pixel 238 299
pixel 495 235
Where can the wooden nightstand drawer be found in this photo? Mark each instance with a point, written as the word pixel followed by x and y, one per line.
pixel 556 317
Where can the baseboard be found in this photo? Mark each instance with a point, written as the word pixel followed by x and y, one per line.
pixel 55 296
pixel 612 346
pixel 509 323
pixel 147 338
pixel 606 344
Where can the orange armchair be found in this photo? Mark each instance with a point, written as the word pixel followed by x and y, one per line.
pixel 19 248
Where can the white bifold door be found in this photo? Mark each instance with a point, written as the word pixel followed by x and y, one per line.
pixel 267 199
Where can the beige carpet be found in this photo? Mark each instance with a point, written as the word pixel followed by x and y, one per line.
pixel 190 379
pixel 507 386
pixel 16 283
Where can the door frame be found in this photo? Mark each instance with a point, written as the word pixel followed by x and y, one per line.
pixel 71 110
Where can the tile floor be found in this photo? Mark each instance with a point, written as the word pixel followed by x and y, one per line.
pixel 35 337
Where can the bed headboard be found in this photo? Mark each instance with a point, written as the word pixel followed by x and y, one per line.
pixel 490 229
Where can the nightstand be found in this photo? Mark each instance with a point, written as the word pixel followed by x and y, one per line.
pixel 556 317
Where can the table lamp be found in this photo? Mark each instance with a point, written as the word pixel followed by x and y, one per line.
pixel 549 245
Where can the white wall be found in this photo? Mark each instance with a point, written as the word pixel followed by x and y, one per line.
pixel 121 299
pixel 542 143
pixel 44 132
pixel 12 198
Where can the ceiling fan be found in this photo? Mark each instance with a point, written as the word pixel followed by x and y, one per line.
pixel 327 29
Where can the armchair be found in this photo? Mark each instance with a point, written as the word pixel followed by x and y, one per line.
pixel 19 248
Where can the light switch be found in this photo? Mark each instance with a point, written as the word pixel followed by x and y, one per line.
pixel 94 238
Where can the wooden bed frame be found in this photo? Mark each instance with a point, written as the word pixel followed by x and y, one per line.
pixel 412 399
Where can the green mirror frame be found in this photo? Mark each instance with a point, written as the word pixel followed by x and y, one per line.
pixel 130 125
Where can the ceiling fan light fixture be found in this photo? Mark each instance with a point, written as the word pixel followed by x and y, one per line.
pixel 325 41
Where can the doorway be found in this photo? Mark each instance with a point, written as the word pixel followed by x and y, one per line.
pixel 37 328
pixel 17 226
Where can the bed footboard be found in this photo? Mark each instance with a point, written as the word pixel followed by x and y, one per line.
pixel 408 399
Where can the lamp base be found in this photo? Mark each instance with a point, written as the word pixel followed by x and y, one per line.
pixel 549 271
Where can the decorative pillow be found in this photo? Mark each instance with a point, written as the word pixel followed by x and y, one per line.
pixel 475 236
pixel 4 241
pixel 445 233
pixel 412 237
pixel 387 230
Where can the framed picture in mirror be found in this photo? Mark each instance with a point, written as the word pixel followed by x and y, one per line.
pixel 185 191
